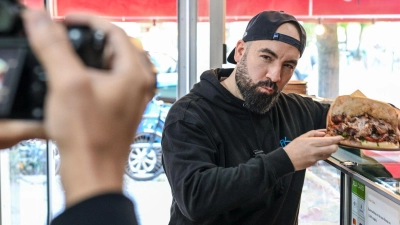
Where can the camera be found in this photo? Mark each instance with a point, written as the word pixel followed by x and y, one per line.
pixel 22 78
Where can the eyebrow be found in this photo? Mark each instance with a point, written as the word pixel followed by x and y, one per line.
pixel 269 51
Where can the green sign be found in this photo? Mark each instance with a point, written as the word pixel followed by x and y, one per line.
pixel 358 189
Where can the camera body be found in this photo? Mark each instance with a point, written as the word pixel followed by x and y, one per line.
pixel 22 78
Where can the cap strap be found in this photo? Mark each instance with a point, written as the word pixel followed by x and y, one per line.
pixel 287 39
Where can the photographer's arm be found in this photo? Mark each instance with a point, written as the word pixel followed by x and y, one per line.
pixel 91 114
pixel 14 131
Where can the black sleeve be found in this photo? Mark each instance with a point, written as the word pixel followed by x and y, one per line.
pixel 111 208
pixel 321 111
pixel 318 110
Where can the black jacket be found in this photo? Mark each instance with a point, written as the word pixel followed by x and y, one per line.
pixel 105 209
pixel 208 146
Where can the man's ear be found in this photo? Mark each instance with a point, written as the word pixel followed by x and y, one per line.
pixel 240 50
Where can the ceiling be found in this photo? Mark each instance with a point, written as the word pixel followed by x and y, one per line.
pixel 236 10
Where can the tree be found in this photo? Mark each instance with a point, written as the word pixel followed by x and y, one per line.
pixel 357 54
pixel 328 62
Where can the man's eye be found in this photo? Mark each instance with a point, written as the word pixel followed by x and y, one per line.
pixel 266 57
pixel 289 66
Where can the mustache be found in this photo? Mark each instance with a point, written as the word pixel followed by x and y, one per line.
pixel 267 83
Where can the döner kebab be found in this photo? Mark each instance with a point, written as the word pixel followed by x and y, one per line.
pixel 363 122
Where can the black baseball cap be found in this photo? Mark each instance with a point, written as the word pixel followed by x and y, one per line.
pixel 263 26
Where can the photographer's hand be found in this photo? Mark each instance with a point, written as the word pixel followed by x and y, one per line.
pixel 14 131
pixel 91 114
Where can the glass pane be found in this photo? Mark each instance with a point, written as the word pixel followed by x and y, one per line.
pixel 320 201
pixel 57 192
pixel 26 185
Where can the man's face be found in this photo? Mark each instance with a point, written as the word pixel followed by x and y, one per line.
pixel 255 100
pixel 264 68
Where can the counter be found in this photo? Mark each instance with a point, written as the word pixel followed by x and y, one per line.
pixel 369 186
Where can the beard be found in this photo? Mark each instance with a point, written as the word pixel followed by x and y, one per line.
pixel 254 100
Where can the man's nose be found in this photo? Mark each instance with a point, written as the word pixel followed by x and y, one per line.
pixel 274 73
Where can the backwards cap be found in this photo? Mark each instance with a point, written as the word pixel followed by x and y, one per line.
pixel 263 26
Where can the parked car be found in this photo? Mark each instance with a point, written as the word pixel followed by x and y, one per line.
pixel 166 66
pixel 145 157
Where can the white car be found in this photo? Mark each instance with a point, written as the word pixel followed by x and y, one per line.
pixel 167 75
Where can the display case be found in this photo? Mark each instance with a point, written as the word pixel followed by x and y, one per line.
pixel 352 187
pixel 369 186
pixel 320 201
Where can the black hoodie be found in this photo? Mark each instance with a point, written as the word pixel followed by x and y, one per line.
pixel 210 156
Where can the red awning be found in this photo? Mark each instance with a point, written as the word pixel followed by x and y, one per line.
pixel 139 10
pixel 35 4
pixel 384 10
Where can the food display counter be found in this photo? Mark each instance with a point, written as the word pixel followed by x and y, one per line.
pixel 369 186
pixel 352 187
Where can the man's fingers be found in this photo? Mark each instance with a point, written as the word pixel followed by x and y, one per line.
pixel 321 130
pixel 327 150
pixel 51 46
pixel 123 49
pixel 324 141
pixel 14 131
pixel 318 138
pixel 92 21
pixel 315 133
pixel 127 54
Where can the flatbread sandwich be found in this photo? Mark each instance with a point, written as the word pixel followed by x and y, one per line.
pixel 363 122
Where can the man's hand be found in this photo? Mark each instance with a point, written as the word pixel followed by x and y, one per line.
pixel 311 147
pixel 91 114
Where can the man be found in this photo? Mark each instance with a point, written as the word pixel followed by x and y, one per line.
pixel 235 148
pixel 91 114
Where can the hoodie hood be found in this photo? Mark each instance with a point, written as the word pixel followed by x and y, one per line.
pixel 211 89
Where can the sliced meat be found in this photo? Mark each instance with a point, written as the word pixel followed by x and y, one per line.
pixel 336 119
pixel 363 127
